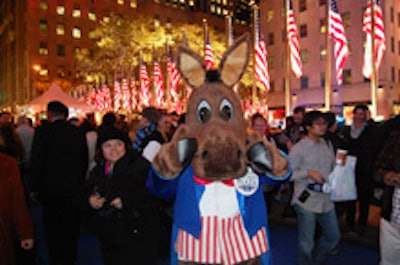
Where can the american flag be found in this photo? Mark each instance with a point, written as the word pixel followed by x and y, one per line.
pixel 174 76
pixel 99 100
pixel 145 96
pixel 261 59
pixel 293 39
pixel 134 100
pixel 208 52
pixel 158 85
pixel 91 96
pixel 336 32
pixel 105 90
pixel 117 95
pixel 378 36
pixel 126 96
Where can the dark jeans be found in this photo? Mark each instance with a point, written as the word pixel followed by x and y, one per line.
pixel 61 218
pixel 309 251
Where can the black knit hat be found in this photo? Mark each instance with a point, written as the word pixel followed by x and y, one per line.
pixel 112 133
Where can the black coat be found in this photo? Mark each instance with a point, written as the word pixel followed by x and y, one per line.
pixel 388 160
pixel 59 160
pixel 364 148
pixel 137 224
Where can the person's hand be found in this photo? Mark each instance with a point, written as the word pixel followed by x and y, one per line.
pixel 33 196
pixel 27 244
pixel 316 176
pixel 396 179
pixel 117 203
pixel 96 201
pixel 391 178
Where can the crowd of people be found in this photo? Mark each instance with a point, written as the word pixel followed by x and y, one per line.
pixel 79 171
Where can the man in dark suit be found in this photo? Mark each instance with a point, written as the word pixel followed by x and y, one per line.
pixel 59 161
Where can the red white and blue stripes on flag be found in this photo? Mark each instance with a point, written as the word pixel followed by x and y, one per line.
pixel 336 32
pixel 293 40
pixel 378 36
pixel 261 59
pixel 145 95
pixel 158 85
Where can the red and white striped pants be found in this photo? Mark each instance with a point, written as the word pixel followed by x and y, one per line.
pixel 222 241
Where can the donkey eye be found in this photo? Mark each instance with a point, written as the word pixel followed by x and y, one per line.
pixel 226 110
pixel 203 112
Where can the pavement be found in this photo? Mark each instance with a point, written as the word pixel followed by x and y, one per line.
pixel 369 238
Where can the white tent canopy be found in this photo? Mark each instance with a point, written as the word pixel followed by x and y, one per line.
pixel 55 93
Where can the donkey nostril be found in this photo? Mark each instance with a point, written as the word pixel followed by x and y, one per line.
pixel 204 155
pixel 239 154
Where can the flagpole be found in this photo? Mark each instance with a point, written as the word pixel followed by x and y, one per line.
pixel 254 88
pixel 287 61
pixel 228 30
pixel 168 90
pixel 328 66
pixel 205 26
pixel 374 74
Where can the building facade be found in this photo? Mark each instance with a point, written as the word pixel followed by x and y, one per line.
pixel 39 39
pixel 308 91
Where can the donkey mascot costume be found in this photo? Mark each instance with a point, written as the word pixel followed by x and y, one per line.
pixel 214 170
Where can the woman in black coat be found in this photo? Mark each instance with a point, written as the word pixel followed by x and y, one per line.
pixel 123 215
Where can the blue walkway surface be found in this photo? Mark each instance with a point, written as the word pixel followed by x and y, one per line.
pixel 283 241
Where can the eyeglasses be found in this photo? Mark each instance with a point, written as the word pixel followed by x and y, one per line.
pixel 320 123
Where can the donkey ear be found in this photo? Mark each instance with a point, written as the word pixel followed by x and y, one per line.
pixel 235 60
pixel 191 66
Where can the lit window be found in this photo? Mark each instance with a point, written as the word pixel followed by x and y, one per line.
pixel 322 52
pixel 92 34
pixel 304 56
pixel 347 76
pixel 346 19
pixel 60 29
pixel 219 10
pixel 133 4
pixel 77 50
pixel 270 15
pixel 76 33
pixel 271 62
pixel 191 3
pixel 322 25
pixel 61 71
pixel 43 5
pixel 106 18
pixel 60 10
pixel 44 71
pixel 157 22
pixel 43 26
pixel 76 13
pixel 43 49
pixel 120 2
pixel 92 16
pixel 212 9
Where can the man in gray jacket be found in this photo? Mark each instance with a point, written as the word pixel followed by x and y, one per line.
pixel 313 159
